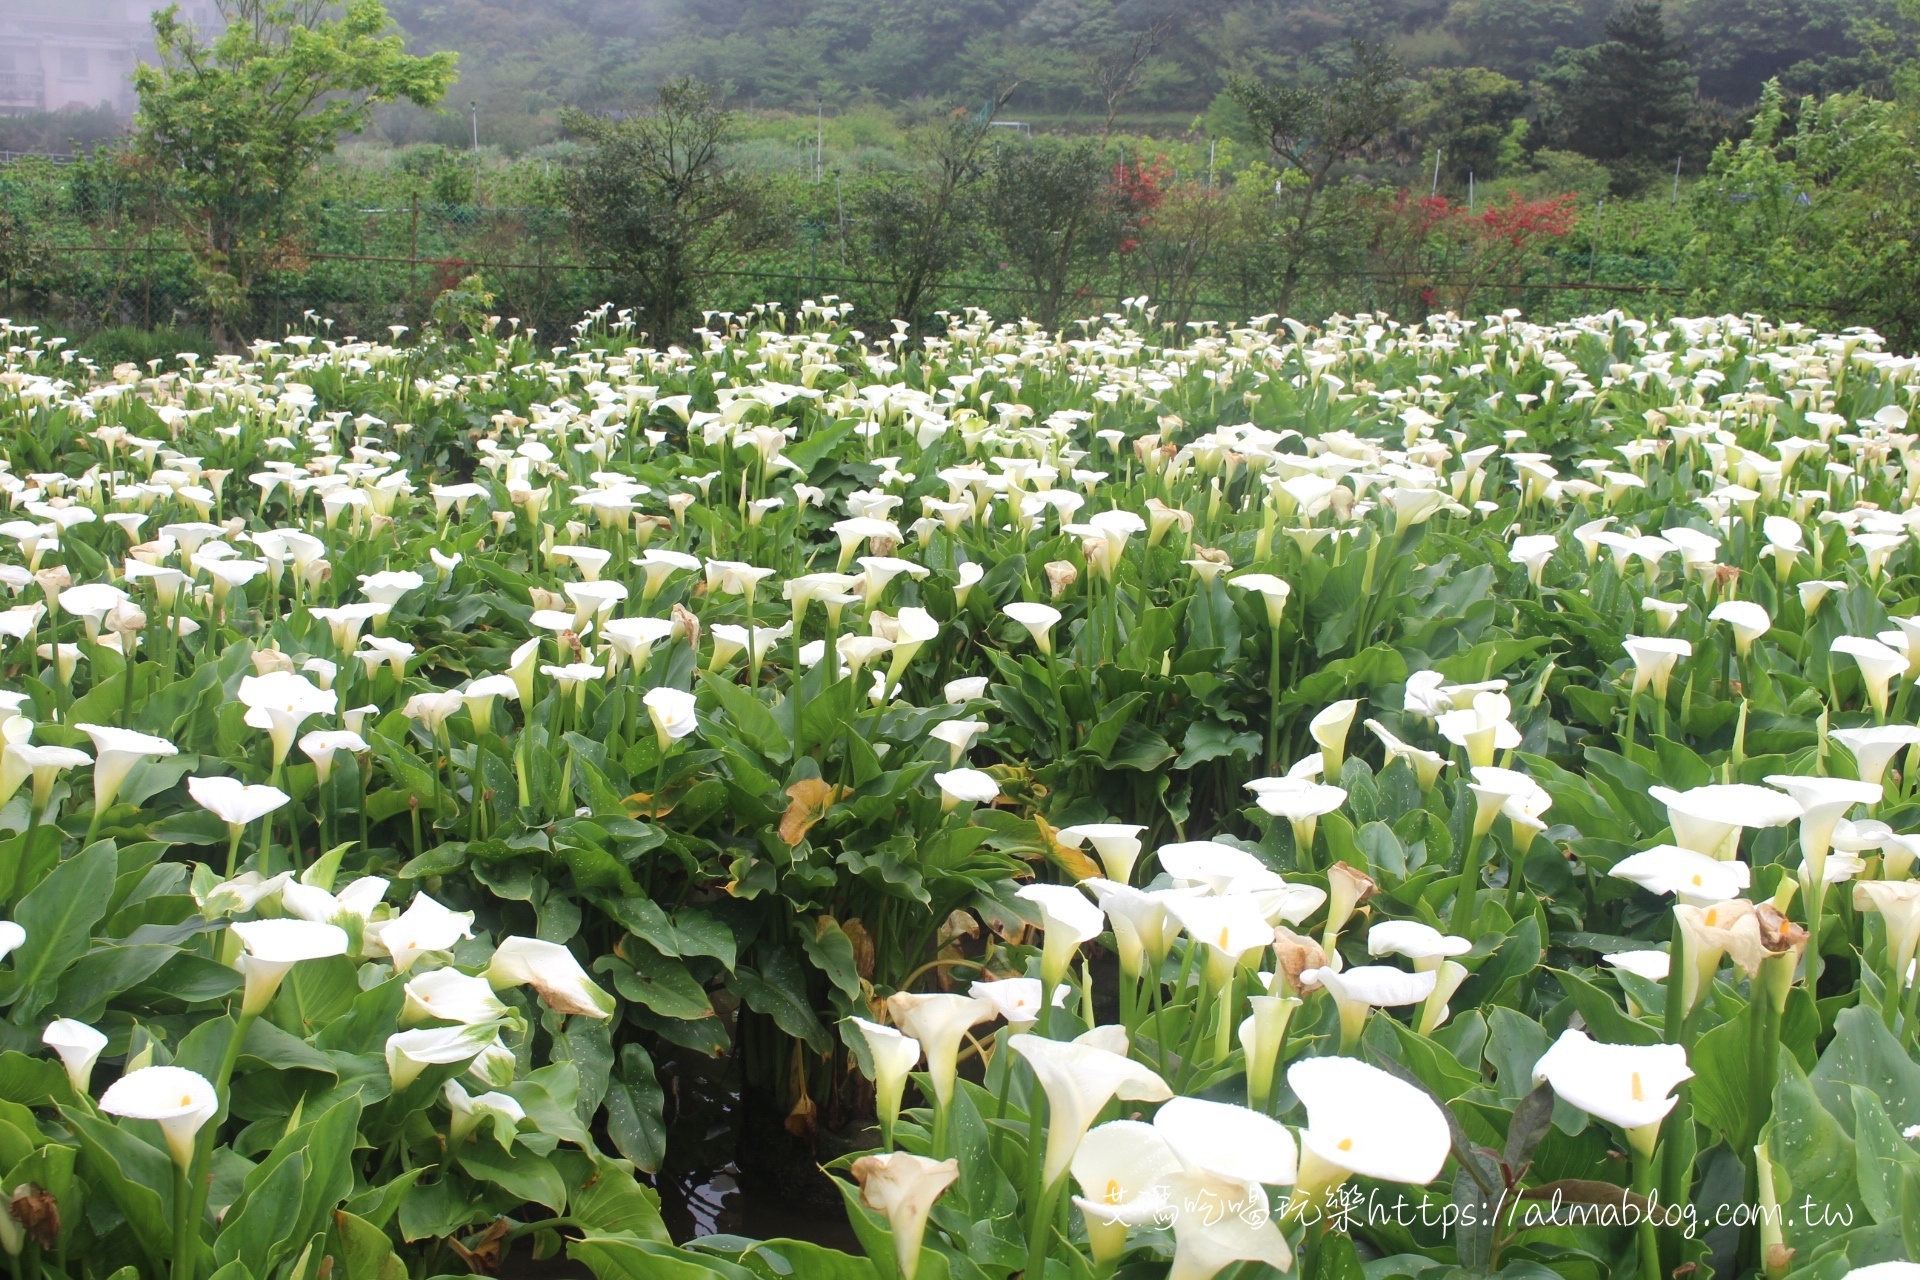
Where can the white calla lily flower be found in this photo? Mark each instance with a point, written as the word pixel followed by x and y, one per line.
pixel 79 1047
pixel 894 1057
pixel 551 970
pixel 1627 1085
pixel 1067 919
pixel 939 1021
pixel 273 947
pixel 1694 878
pixel 1080 1079
pixel 1362 1120
pixel 904 1186
pixel 178 1100
pixel 1121 1168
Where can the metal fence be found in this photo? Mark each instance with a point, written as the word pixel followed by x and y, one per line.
pixel 367 267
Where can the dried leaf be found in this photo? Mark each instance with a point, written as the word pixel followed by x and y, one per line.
pixel 811 798
pixel 1074 862
pixel 862 946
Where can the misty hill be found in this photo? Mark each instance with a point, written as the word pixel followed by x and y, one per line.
pixel 522 59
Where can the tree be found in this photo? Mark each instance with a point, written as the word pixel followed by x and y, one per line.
pixel 656 200
pixel 1468 113
pixel 1310 128
pixel 1114 66
pixel 230 127
pixel 1516 36
pixel 1814 215
pixel 916 226
pixel 1741 44
pixel 1049 206
pixel 1629 102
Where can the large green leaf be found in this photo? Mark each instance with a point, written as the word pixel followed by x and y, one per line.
pixel 1863 1052
pixel 520 1172
pixel 138 1178
pixel 364 1251
pixel 1817 1155
pixel 636 1106
pixel 778 989
pixel 612 1202
pixel 58 916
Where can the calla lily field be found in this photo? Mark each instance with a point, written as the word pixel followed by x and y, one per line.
pixel 1356 800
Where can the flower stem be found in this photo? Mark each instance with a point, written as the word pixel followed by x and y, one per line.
pixel 1042 1226
pixel 184 1242
pixel 1647 1234
pixel 1466 897
pixel 190 1204
pixel 1273 704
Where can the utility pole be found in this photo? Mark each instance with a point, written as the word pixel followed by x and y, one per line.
pixel 1676 180
pixel 1435 189
pixel 840 213
pixel 819 139
pixel 473 108
pixel 1599 230
pixel 1469 191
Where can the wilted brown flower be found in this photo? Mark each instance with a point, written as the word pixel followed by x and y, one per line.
pixel 35 1209
pixel 1295 955
pixel 688 625
pixel 1060 575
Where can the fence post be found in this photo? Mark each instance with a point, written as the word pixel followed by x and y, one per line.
pixel 413 259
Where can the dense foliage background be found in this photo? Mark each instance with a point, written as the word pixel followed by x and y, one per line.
pixel 1049 159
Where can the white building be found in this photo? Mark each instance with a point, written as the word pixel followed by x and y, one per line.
pixel 60 55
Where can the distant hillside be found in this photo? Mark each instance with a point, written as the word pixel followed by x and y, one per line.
pixel 522 59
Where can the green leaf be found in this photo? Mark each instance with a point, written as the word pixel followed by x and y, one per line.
pixel 377 1205
pixel 1722 1062
pixel 659 982
pixel 701 933
pixel 430 1210
pixel 1210 740
pixel 1443 1074
pixel 612 1202
pixel 1815 1152
pixel 194 979
pixel 138 1178
pixel 549 1113
pixel 32 1082
pixel 1863 1052
pixel 778 989
pixel 260 1229
pixel 106 971
pixel 1883 1158
pixel 832 953
pixel 623 1257
pixel 1336 1258
pixel 25 860
pixel 521 1172
pixel 59 915
pixel 636 1110
pixel 288 1195
pixel 1514 1043
pixel 268 1045
pixel 1606 1021
pixel 804 1260
pixel 364 1251
pixel 1517 956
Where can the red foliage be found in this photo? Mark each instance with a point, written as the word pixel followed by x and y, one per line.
pixel 1141 188
pixel 1445 254
pixel 1517 222
pixel 451 272
pixel 1520 222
